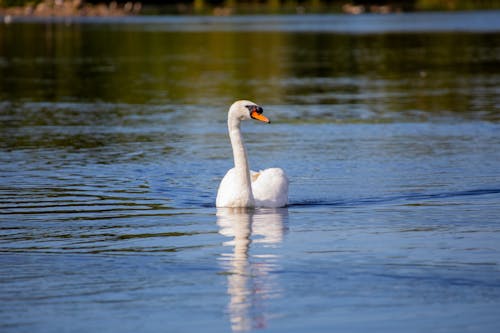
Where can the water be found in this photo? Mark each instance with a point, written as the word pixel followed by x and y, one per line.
pixel 113 141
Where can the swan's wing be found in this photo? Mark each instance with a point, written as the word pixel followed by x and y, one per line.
pixel 225 193
pixel 231 193
pixel 270 188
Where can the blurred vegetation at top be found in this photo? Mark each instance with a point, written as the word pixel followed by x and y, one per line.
pixel 228 7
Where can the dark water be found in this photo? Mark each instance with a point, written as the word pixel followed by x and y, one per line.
pixel 113 142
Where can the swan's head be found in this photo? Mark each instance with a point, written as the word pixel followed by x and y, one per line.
pixel 243 110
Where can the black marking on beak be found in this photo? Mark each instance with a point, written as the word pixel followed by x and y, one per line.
pixel 255 108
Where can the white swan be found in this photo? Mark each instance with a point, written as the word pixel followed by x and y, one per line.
pixel 241 187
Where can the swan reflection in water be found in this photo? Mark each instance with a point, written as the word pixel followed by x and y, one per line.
pixel 250 269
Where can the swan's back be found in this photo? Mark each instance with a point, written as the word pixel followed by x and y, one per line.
pixel 270 188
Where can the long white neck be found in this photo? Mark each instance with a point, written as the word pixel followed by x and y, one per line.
pixel 240 158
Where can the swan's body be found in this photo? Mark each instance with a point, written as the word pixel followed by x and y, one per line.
pixel 242 187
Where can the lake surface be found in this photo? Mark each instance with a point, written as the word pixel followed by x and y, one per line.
pixel 113 142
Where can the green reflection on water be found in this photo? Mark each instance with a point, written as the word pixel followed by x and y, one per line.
pixel 106 63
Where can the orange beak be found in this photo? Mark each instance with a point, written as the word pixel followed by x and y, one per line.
pixel 259 116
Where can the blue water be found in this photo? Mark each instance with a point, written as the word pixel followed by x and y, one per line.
pixel 471 21
pixel 113 142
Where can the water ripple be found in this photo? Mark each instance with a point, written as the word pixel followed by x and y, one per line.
pixel 412 197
